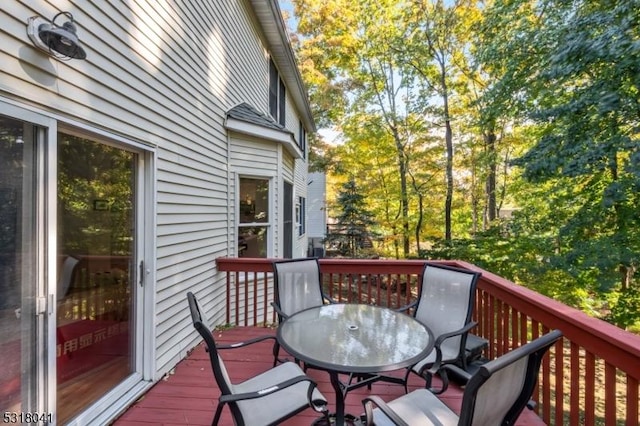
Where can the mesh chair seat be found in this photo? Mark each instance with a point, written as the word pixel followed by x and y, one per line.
pixel 495 395
pixel 449 354
pixel 269 409
pixel 445 305
pixel 418 408
pixel 265 399
pixel 297 286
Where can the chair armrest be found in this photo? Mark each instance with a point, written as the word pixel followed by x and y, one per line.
pixel 368 411
pixel 407 307
pixel 462 374
pixel 437 366
pixel 441 338
pixel 328 298
pixel 246 342
pixel 279 311
pixel 276 388
pixel 438 362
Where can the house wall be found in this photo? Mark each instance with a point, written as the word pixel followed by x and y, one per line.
pixel 317 205
pixel 252 157
pixel 161 74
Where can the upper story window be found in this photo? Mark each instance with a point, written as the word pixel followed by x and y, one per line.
pixel 253 223
pixel 302 139
pixel 277 94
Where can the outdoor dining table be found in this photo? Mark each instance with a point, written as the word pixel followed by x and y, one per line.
pixel 358 339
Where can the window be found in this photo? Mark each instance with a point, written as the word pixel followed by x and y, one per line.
pixel 277 94
pixel 301 215
pixel 302 139
pixel 253 224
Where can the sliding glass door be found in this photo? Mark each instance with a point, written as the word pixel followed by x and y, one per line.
pixel 95 329
pixel 73 236
pixel 22 303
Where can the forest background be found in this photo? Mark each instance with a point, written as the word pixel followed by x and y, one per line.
pixel 504 133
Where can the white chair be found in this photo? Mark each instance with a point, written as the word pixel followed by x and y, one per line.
pixel 297 286
pixel 266 399
pixel 445 305
pixel 495 395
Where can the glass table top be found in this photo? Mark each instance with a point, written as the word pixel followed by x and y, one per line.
pixel 355 338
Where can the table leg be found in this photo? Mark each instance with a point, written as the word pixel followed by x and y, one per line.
pixel 338 418
pixel 337 387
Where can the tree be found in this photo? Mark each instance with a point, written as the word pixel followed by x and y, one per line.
pixel 432 42
pixel 353 228
pixel 353 45
pixel 573 70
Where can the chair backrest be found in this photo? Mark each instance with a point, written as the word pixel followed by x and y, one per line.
pixel 499 391
pixel 446 302
pixel 297 284
pixel 201 324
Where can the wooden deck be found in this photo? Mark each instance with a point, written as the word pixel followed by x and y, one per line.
pixel 189 396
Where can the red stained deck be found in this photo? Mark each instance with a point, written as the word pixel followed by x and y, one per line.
pixel 189 396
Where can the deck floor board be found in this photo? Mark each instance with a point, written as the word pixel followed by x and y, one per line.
pixel 189 395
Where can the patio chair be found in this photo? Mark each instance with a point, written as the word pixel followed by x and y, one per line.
pixel 495 395
pixel 445 305
pixel 297 286
pixel 266 399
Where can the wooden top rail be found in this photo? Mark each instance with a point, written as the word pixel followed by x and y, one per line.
pixel 618 347
pixel 331 265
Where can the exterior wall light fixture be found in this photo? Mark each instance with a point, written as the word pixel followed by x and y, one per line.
pixel 60 41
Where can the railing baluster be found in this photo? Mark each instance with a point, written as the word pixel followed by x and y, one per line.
pixel 632 401
pixel 228 302
pixel 610 394
pixel 558 354
pixel 508 316
pixel 574 403
pixel 589 388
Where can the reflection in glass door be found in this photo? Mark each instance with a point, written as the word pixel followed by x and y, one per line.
pixel 96 290
pixel 21 327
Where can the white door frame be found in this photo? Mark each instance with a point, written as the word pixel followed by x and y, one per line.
pixel 46 187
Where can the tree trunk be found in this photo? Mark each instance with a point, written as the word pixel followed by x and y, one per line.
pixel 404 196
pixel 449 144
pixel 490 150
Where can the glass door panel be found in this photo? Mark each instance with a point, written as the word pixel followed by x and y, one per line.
pixel 287 214
pixel 96 286
pixel 19 323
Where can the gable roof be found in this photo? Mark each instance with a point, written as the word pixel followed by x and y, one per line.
pixel 273 26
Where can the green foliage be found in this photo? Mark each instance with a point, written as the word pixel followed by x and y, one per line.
pixel 625 307
pixel 104 176
pixel 574 75
pixel 351 234
pixel 543 103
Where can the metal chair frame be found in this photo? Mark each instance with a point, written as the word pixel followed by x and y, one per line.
pixel 496 394
pixel 264 385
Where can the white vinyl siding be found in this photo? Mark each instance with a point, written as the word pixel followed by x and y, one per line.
pixel 164 74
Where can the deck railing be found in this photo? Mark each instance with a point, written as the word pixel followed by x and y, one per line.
pixel 591 377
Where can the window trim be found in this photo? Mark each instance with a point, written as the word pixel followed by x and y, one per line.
pixel 269 225
pixel 301 215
